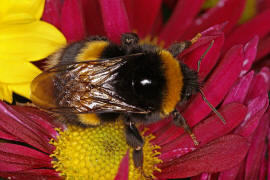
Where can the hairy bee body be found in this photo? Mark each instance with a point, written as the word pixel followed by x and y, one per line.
pixel 95 80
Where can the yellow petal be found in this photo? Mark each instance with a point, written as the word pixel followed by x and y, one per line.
pixel 16 76
pixel 21 89
pixel 29 42
pixel 19 11
pixel 5 93
pixel 13 72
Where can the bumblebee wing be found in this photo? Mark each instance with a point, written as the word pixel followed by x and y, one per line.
pixel 83 87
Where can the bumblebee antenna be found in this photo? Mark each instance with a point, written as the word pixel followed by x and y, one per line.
pixel 204 54
pixel 200 90
pixel 212 107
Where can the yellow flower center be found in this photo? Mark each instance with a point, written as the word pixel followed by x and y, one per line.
pixel 96 153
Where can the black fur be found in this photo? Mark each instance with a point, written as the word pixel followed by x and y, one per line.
pixel 191 83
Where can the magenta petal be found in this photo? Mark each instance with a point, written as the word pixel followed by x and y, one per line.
pixel 210 128
pixel 255 154
pixel 256 109
pixel 250 51
pixel 260 25
pixel 263 48
pixel 230 174
pixel 219 155
pixel 225 10
pixel 18 125
pixel 115 18
pixel 239 91
pixel 143 23
pixel 52 12
pixel 72 22
pixel 217 85
pixel 36 174
pixel 260 84
pixel 7 136
pixel 93 17
pixel 122 173
pixel 210 58
pixel 182 16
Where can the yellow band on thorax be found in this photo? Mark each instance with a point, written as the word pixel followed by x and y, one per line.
pixel 92 50
pixel 174 81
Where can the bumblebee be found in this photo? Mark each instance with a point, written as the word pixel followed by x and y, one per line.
pixel 95 80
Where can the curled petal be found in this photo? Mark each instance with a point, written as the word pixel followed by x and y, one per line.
pixel 239 91
pixel 182 16
pixel 259 85
pixel 249 30
pixel 256 109
pixel 20 11
pixel 219 14
pixel 255 154
pixel 72 21
pixel 219 155
pixel 250 51
pixel 115 18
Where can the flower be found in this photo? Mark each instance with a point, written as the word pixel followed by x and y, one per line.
pixel 241 94
pixel 23 39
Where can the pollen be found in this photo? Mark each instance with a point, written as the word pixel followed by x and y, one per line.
pixel 96 153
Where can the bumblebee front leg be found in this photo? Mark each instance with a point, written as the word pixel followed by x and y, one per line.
pixel 179 120
pixel 176 48
pixel 134 140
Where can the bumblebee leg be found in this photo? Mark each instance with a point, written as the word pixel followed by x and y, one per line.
pixel 176 48
pixel 129 39
pixel 179 120
pixel 134 140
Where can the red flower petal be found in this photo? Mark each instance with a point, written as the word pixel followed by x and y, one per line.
pixel 36 174
pixel 217 85
pixel 17 157
pixel 209 129
pixel 231 173
pixel 210 58
pixel 256 109
pixel 263 48
pixel 93 17
pixel 218 155
pixel 250 51
pixel 122 173
pixel 141 22
pixel 72 22
pixel 115 18
pixel 220 13
pixel 263 4
pixel 255 154
pixel 260 84
pixel 20 126
pixel 239 91
pixel 182 16
pixel 260 25
pixel 52 12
